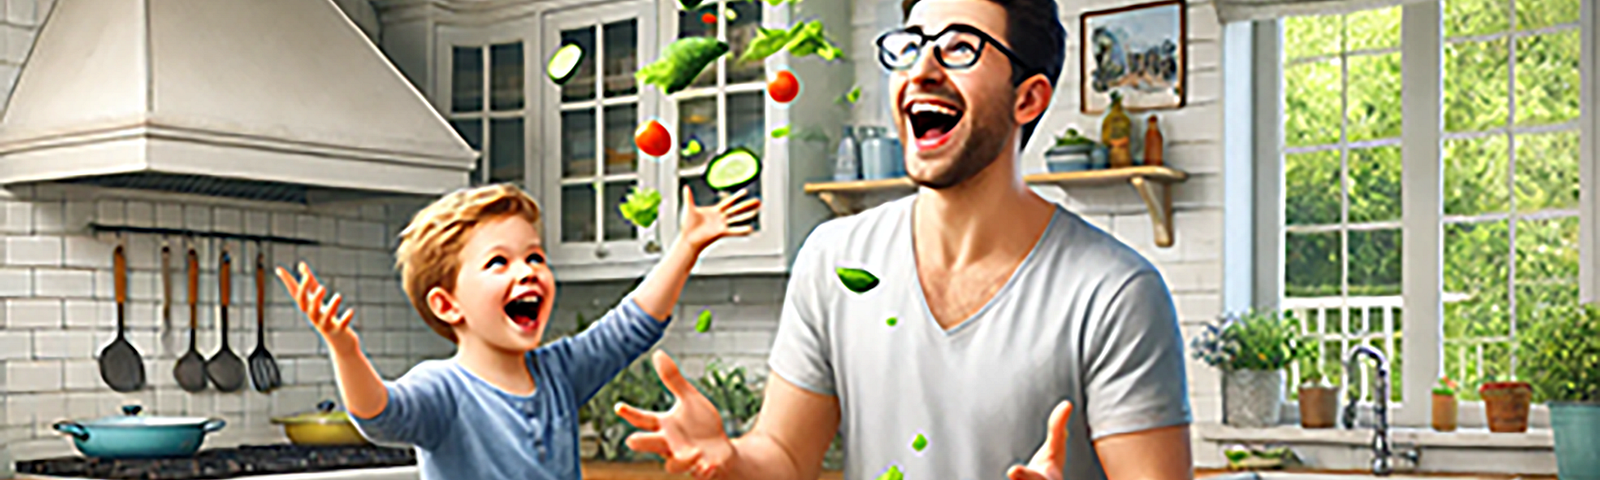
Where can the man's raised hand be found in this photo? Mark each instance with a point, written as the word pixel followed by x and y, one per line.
pixel 689 436
pixel 1051 459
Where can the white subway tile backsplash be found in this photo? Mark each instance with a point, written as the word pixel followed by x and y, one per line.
pixel 307 227
pixel 16 217
pixel 33 313
pixel 257 222
pixel 285 224
pixel 227 403
pixel 83 374
pixel 171 402
pixel 49 216
pixel 33 376
pixel 19 409
pixel 15 282
pixel 141 214
pixel 76 215
pixel 51 345
pixel 89 314
pixel 15 344
pixel 169 215
pixel 33 251
pixel 197 217
pixel 227 220
pixel 50 282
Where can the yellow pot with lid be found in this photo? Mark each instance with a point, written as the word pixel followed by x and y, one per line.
pixel 326 426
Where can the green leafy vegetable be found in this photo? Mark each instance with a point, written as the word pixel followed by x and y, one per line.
pixel 681 62
pixel 893 320
pixel 641 206
pixel 892 474
pixel 854 95
pixel 768 41
pixel 799 40
pixel 919 443
pixel 704 324
pixel 780 132
pixel 692 148
pixel 857 280
pixel 689 4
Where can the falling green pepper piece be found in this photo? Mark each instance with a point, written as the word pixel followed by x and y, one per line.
pixel 857 280
pixel 919 443
pixel 892 474
pixel 704 323
pixel 893 320
pixel 780 132
pixel 693 148
pixel 854 95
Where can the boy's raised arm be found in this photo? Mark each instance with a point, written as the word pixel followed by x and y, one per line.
pixel 360 386
pixel 700 226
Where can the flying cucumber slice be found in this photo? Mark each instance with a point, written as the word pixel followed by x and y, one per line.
pixel 732 168
pixel 564 64
pixel 855 279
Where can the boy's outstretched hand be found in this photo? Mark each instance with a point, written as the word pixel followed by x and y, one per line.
pixel 702 225
pixel 308 295
pixel 689 436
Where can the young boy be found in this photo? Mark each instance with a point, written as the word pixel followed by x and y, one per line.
pixel 503 407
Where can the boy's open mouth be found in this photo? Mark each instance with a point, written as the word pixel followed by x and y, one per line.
pixel 932 121
pixel 524 311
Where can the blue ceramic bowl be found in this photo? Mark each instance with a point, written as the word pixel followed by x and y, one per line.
pixel 1076 163
pixel 132 436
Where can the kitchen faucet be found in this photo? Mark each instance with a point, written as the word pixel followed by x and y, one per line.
pixel 1382 450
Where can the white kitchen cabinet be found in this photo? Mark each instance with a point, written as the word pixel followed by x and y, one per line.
pixel 482 73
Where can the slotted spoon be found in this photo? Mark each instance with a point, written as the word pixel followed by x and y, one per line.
pixel 263 369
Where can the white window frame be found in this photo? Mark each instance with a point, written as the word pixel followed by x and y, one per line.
pixel 1422 201
pixel 451 36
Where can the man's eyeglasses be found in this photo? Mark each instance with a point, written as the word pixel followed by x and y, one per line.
pixel 958 47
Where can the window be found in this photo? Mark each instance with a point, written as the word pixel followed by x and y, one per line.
pixel 492 125
pixel 1509 160
pixel 725 106
pixel 599 111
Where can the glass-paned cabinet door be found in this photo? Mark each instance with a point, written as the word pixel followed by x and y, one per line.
pixel 488 104
pixel 592 163
pixel 724 108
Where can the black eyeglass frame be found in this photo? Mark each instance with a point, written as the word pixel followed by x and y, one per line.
pixel 938 54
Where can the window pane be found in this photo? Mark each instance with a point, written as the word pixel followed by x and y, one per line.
pixel 581 86
pixel 617 226
pixel 1375 263
pixel 1536 14
pixel 505 150
pixel 1311 264
pixel 1312 197
pixel 1374 97
pixel 1375 184
pixel 697 123
pixel 1476 17
pixel 1476 83
pixel 1311 103
pixel 1372 29
pixel 577 213
pixel 747 121
pixel 1547 78
pixel 1476 264
pixel 577 143
pixel 1547 171
pixel 1475 176
pixel 621 153
pixel 505 77
pixel 622 57
pixel 692 24
pixel 1547 264
pixel 466 79
pixel 741 31
pixel 1310 36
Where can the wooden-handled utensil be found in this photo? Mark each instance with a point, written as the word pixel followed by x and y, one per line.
pixel 225 369
pixel 263 369
pixel 191 368
pixel 120 364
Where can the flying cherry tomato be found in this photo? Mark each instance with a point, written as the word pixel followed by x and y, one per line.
pixel 784 88
pixel 653 139
pixel 708 18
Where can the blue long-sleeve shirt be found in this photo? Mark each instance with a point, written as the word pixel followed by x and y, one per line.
pixel 465 428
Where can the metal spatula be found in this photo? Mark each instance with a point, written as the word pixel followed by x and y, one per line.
pixel 263 369
pixel 120 364
pixel 225 369
pixel 191 368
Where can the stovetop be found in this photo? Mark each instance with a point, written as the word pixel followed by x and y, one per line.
pixel 244 461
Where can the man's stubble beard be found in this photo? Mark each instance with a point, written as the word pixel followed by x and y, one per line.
pixel 991 128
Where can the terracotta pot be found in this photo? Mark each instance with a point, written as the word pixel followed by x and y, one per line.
pixel 1445 408
pixel 1506 405
pixel 1319 406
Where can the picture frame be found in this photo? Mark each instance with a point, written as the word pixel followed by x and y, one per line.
pixel 1141 51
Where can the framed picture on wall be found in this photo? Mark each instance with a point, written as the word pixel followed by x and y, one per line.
pixel 1138 50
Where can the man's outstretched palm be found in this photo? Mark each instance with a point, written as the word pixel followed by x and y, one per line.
pixel 1051 459
pixel 689 436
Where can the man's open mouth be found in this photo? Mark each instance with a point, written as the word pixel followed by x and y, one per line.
pixel 931 121
pixel 524 311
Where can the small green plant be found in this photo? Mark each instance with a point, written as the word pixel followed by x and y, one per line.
pixel 1072 137
pixel 736 397
pixel 1252 340
pixel 636 385
pixel 1446 387
pixel 1563 355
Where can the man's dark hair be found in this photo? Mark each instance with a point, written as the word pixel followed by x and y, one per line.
pixel 1035 33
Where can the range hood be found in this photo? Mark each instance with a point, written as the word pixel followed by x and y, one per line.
pixel 272 100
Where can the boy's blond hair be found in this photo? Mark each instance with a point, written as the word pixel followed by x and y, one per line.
pixel 430 247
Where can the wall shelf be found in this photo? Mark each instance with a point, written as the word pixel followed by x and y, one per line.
pixel 1154 185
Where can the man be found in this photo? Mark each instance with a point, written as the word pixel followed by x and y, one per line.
pixel 1008 308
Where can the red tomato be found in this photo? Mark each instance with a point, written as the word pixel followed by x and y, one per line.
pixel 708 18
pixel 653 139
pixel 784 88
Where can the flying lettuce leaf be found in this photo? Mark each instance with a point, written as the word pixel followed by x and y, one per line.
pixel 802 39
pixel 681 62
pixel 780 132
pixel 642 206
pixel 854 95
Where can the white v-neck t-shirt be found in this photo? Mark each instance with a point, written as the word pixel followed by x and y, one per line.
pixel 1083 318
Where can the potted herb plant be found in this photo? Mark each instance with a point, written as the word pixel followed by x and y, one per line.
pixel 1445 405
pixel 1252 349
pixel 1319 399
pixel 1563 366
pixel 1506 403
